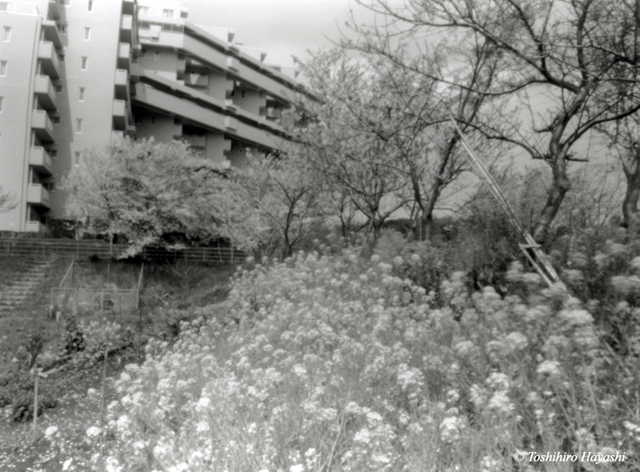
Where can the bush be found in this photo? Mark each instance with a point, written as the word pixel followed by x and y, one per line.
pixel 72 339
pixel 104 335
pixel 17 383
pixel 335 363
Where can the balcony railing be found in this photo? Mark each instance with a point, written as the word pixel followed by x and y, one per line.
pixel 42 125
pixel 126 28
pixel 128 7
pixel 40 160
pixel 124 56
pixel 38 195
pixel 45 92
pixel 119 115
pixel 53 9
pixel 52 33
pixel 122 84
pixel 49 59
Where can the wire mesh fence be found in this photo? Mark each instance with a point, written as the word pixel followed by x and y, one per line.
pixel 101 249
pixel 89 302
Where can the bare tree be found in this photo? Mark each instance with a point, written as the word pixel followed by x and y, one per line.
pixel 571 65
pixel 624 141
pixel 7 201
pixel 346 151
pixel 282 197
pixel 401 120
pixel 417 124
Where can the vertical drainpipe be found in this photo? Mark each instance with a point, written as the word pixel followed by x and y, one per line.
pixel 27 144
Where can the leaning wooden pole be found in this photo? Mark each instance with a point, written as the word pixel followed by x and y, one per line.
pixel 531 248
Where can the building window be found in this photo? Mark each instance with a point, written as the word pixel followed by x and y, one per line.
pixel 53 153
pixel 143 10
pixel 81 95
pixel 143 53
pixel 156 55
pixel 87 34
pixel 58 88
pixel 55 119
pixel 79 125
pixel 6 36
pixel 145 25
pixel 152 120
pixel 76 158
pixel 90 5
pixel 84 63
pixel 66 3
pixel 137 120
pixel 1 103
pixel 63 28
pixel 61 57
pixel 166 13
pixel 4 6
pixel 184 14
pixel 3 68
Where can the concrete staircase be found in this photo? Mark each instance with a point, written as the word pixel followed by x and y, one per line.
pixel 26 281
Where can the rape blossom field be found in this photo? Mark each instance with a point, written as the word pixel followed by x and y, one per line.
pixel 341 363
pixel 332 362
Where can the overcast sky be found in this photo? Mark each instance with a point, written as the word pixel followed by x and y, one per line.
pixel 283 28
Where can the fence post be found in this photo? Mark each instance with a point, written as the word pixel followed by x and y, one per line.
pixel 35 405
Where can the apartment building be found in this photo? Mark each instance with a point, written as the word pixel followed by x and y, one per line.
pixel 73 72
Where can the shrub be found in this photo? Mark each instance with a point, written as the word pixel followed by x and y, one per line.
pixel 72 339
pixel 334 363
pixel 103 335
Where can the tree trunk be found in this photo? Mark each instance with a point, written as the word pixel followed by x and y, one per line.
pixel 559 188
pixel 426 227
pixel 631 196
pixel 630 204
pixel 287 250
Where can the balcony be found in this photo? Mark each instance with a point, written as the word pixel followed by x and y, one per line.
pixel 53 9
pixel 45 92
pixel 135 72
pixel 43 127
pixel 122 84
pixel 38 195
pixel 119 115
pixel 128 7
pixel 49 59
pixel 195 140
pixel 230 123
pixel 52 33
pixel 35 227
pixel 126 28
pixel 196 80
pixel 124 56
pixel 40 160
pixel 181 66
